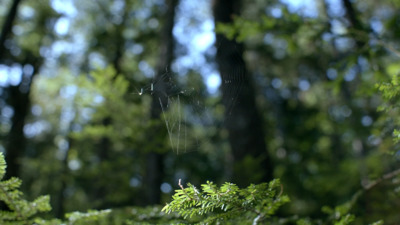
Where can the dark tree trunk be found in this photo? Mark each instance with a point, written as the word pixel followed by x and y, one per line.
pixel 19 100
pixel 7 26
pixel 59 209
pixel 351 15
pixel 16 142
pixel 355 24
pixel 242 119
pixel 155 159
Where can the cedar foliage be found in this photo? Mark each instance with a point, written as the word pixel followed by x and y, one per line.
pixel 24 212
pixel 255 203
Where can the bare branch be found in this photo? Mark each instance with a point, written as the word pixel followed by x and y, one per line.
pixel 381 179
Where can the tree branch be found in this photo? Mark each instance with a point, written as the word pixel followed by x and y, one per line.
pixel 387 176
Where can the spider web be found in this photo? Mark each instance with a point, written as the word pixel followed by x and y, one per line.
pixel 185 114
pixel 179 113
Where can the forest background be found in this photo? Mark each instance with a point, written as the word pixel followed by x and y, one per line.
pixel 107 104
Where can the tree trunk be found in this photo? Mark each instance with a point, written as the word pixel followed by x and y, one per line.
pixel 242 120
pixel 59 208
pixel 355 23
pixel 19 100
pixel 16 142
pixel 155 159
pixel 7 27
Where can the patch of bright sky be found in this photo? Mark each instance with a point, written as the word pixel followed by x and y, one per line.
pixel 10 75
pixel 62 26
pixel 335 8
pixel 65 7
pixel 72 46
pixel 36 128
pixel 68 10
pixel 309 8
pixel 26 12
pixel 195 31
pixel 304 7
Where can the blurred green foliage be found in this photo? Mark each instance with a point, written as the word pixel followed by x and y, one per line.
pixel 319 83
pixel 20 211
pixel 256 203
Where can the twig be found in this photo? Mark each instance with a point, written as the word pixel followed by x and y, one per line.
pixel 281 192
pixel 180 185
pixel 255 221
pixel 383 178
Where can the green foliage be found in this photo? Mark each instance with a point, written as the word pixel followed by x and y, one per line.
pixel 390 92
pixel 321 148
pixel 256 204
pixel 228 203
pixel 20 210
pixel 24 212
pixel 78 218
pixel 340 215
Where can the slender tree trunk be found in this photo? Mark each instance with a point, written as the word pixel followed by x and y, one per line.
pixel 19 100
pixel 242 119
pixel 7 26
pixel 59 208
pixel 355 23
pixel 155 159
pixel 352 15
pixel 16 142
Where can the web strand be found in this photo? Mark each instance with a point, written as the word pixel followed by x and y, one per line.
pixel 166 123
pixel 179 125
